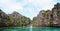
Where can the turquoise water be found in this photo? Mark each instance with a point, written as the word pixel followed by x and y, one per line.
pixel 28 29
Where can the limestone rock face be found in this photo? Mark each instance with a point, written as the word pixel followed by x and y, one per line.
pixel 4 18
pixel 44 18
pixel 16 17
pixel 50 17
pixel 41 18
pixel 56 14
pixel 13 20
pixel 47 18
pixel 57 6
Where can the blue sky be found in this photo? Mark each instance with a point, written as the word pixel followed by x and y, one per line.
pixel 28 8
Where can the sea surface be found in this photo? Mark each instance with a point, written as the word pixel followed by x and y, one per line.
pixel 29 29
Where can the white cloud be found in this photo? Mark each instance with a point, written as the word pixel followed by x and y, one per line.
pixel 4 1
pixel 15 7
pixel 45 4
pixel 10 4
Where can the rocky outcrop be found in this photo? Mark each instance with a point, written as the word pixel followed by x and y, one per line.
pixel 19 20
pixel 41 18
pixel 44 18
pixel 50 17
pixel 4 18
pixel 47 18
pixel 16 18
pixel 13 20
pixel 56 14
pixel 35 22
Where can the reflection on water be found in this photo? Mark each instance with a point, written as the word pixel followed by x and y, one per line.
pixel 30 29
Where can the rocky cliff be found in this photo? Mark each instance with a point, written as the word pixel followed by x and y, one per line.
pixel 50 17
pixel 4 19
pixel 13 20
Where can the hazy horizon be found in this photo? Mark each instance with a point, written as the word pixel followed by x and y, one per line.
pixel 28 8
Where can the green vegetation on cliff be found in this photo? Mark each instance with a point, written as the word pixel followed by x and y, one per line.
pixel 13 20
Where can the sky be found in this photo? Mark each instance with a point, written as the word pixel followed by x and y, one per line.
pixel 28 8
